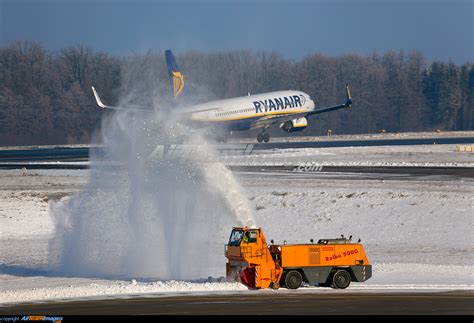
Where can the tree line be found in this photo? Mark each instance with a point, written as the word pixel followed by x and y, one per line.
pixel 46 97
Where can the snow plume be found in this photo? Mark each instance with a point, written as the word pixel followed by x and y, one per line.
pixel 148 212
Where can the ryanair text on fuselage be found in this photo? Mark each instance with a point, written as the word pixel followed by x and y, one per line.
pixel 286 102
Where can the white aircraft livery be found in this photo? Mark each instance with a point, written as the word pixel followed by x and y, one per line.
pixel 288 109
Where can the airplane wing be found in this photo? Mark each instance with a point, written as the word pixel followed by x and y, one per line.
pixel 267 121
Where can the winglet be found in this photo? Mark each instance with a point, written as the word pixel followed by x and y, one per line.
pixel 348 96
pixel 100 103
pixel 97 99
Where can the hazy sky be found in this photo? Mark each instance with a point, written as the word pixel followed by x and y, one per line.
pixel 441 29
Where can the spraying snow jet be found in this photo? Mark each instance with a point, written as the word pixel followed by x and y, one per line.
pixel 144 214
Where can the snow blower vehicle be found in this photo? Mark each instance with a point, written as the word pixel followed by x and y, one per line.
pixel 329 262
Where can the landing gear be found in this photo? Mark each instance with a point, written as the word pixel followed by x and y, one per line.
pixel 266 137
pixel 263 136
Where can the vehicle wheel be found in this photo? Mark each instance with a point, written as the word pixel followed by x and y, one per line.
pixel 260 137
pixel 293 280
pixel 275 285
pixel 266 137
pixel 341 279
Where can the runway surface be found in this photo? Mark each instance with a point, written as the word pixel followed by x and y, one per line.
pixel 367 172
pixel 292 303
pixel 82 153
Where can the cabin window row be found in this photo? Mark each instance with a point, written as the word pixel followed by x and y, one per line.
pixel 220 114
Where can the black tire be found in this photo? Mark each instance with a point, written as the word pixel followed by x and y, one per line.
pixel 275 286
pixel 341 279
pixel 266 137
pixel 260 137
pixel 293 280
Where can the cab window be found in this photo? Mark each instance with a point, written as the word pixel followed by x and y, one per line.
pixel 236 238
pixel 250 236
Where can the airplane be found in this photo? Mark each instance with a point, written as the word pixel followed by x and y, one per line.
pixel 289 109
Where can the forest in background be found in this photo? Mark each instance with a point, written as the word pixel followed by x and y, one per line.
pixel 46 97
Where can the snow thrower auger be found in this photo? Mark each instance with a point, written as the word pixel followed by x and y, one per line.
pixel 329 262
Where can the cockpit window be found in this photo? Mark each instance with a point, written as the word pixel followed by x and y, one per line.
pixel 235 238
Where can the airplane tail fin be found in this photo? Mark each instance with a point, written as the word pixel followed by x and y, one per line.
pixel 177 78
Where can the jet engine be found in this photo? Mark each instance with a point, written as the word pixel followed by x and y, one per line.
pixel 295 125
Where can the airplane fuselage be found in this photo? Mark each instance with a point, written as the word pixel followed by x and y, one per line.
pixel 239 113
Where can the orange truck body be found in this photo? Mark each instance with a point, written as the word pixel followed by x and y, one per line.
pixel 330 262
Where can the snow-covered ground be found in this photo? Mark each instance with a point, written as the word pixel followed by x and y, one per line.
pixel 418 233
pixel 420 155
